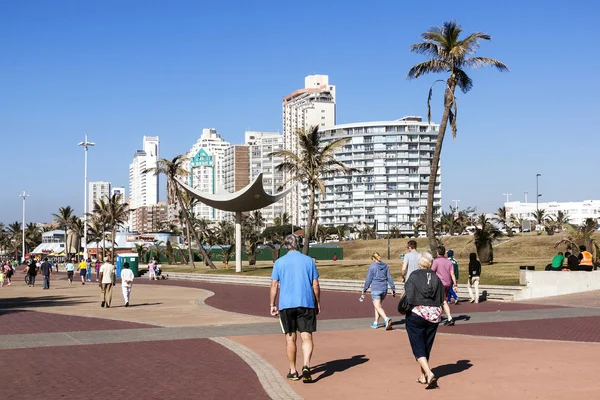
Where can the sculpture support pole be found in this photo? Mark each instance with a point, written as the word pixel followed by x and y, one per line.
pixel 238 241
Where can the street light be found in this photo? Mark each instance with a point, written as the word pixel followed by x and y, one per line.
pixel 537 191
pixel 85 144
pixel 525 193
pixel 23 196
pixel 507 196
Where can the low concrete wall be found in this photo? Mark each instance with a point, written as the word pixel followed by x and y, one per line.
pixel 554 283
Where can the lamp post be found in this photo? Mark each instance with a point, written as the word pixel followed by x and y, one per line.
pixel 85 144
pixel 387 209
pixel 525 193
pixel 507 196
pixel 23 196
pixel 537 191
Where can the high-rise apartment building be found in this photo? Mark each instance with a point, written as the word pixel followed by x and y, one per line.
pixel 148 219
pixel 119 190
pixel 96 191
pixel 393 159
pixel 236 168
pixel 205 166
pixel 261 145
pixel 143 183
pixel 314 105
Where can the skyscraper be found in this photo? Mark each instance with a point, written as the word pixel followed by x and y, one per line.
pixel 143 185
pixel 119 190
pixel 97 190
pixel 261 145
pixel 205 167
pixel 314 105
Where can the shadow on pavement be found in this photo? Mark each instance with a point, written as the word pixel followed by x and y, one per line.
pixel 139 305
pixel 15 303
pixel 331 367
pixel 449 369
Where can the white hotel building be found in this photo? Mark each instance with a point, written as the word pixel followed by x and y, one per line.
pixel 577 212
pixel 97 190
pixel 314 105
pixel 390 189
pixel 143 185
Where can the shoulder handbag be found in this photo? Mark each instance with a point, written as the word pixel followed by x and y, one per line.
pixel 403 306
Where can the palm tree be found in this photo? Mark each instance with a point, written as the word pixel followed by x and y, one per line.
pixel 228 252
pixel 76 227
pixel 447 54
pixel 15 235
pixel 485 235
pixel 562 219
pixel 116 215
pixel 315 161
pixel 257 219
pixel 540 216
pixel 33 236
pixel 283 219
pixel 502 219
pixel 173 169
pixel 63 218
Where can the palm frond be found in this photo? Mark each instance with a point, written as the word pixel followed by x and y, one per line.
pixel 428 67
pixel 463 81
pixel 480 62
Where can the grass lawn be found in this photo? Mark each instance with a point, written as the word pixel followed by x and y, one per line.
pixel 509 254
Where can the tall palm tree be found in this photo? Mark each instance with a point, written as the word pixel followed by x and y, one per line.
pixel 257 219
pixel 15 235
pixel 116 214
pixel 95 231
pixel 63 218
pixel 485 235
pixel 501 217
pixel 448 54
pixel 33 236
pixel 100 216
pixel 315 161
pixel 173 169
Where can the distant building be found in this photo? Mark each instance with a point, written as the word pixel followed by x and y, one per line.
pixel 314 105
pixel 120 190
pixel 150 218
pixel 261 145
pixel 393 159
pixel 143 184
pixel 96 191
pixel 236 168
pixel 577 212
pixel 205 166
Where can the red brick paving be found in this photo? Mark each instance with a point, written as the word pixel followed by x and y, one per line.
pixel 15 322
pixel 178 369
pixel 251 300
pixel 577 329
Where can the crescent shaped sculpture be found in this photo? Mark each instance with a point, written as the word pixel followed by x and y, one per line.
pixel 250 198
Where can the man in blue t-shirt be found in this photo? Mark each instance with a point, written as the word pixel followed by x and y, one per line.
pixel 299 303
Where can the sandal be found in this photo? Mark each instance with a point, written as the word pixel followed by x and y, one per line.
pixel 431 382
pixel 422 382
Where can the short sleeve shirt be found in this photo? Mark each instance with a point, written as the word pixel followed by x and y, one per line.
pixel 107 270
pixel 443 267
pixel 83 265
pixel 70 267
pixel 295 273
pixel 412 260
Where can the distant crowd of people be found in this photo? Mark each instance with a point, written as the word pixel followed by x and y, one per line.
pixel 571 262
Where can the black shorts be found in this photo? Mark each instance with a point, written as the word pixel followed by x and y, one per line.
pixel 299 319
pixel 70 275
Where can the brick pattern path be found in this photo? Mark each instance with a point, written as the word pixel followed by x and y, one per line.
pixel 14 322
pixel 180 369
pixel 579 329
pixel 336 305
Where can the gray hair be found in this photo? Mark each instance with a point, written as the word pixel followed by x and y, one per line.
pixel 291 242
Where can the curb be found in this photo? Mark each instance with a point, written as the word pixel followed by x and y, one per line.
pixel 270 379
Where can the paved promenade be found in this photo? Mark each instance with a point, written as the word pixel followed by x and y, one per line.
pixel 191 340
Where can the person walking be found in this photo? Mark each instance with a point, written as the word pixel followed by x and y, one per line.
pixel 474 274
pixel 70 268
pixel 46 270
pixel 2 274
pixel 88 274
pixel 32 273
pixel 107 281
pixel 451 293
pixel 445 271
pixel 82 267
pixel 378 278
pixel 8 270
pixel 425 293
pixel 152 270
pixel 411 260
pixel 97 264
pixel 296 278
pixel 126 282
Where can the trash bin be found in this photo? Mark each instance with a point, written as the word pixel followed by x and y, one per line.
pixel 132 259
pixel 522 272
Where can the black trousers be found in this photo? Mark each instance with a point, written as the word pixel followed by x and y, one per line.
pixel 421 334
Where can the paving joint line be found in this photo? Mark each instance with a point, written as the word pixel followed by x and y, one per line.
pixel 270 379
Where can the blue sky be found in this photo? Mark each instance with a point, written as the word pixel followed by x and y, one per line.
pixel 124 69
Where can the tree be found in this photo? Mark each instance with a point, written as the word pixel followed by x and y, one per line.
pixel 116 215
pixel 141 250
pixel 315 161
pixel 15 235
pixel 228 252
pixel 173 169
pixel 447 54
pixel 283 219
pixel 63 218
pixel 502 219
pixel 76 229
pixel 33 236
pixel 257 219
pixel 485 235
